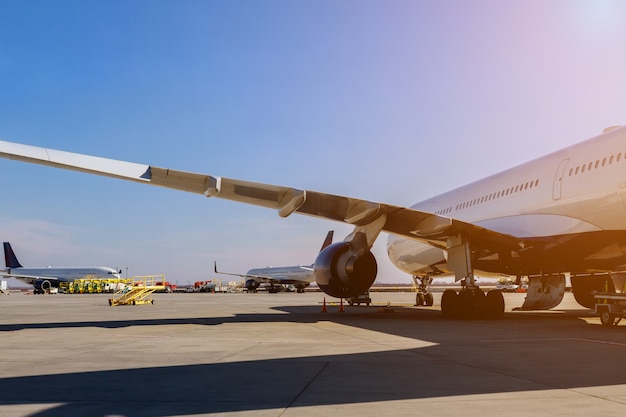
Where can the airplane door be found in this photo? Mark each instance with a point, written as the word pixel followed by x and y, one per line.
pixel 558 179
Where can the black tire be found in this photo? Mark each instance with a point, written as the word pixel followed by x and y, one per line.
pixel 471 303
pixel 429 300
pixel 419 299
pixel 449 304
pixel 493 307
pixel 606 318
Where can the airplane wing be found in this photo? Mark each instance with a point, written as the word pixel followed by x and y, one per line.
pixel 29 279
pixel 423 226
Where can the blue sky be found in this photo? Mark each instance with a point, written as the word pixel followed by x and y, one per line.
pixel 392 101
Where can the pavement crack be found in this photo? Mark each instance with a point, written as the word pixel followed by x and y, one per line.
pixel 306 387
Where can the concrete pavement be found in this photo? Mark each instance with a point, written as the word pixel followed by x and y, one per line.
pixel 279 355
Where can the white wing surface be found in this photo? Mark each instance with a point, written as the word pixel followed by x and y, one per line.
pixel 414 224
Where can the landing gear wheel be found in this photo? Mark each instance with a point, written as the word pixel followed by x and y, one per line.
pixel 429 299
pixel 449 304
pixel 419 299
pixel 606 318
pixel 471 303
pixel 493 307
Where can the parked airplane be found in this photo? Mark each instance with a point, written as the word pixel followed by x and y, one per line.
pixel 42 279
pixel 299 276
pixel 562 213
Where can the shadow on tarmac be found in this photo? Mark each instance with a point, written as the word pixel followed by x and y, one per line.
pixel 522 352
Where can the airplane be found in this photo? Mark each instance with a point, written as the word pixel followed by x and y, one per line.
pixel 299 276
pixel 562 213
pixel 43 279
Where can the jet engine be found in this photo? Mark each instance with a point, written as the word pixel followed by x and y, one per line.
pixel 41 286
pixel 342 272
pixel 252 285
pixel 584 286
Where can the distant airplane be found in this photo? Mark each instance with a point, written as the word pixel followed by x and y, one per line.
pixel 299 276
pixel 42 279
pixel 563 213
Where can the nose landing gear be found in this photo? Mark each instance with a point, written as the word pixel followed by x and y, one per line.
pixel 423 296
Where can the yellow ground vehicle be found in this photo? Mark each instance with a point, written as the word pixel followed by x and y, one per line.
pixel 139 292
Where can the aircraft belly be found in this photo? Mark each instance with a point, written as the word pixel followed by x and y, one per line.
pixel 593 251
pixel 537 225
pixel 414 257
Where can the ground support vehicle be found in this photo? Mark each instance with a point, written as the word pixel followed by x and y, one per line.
pixel 140 292
pixel 610 306
pixel 361 298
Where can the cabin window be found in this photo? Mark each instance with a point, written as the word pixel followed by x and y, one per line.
pixel 611 160
pixel 577 168
pixel 604 162
pixel 619 157
pixel 582 171
pixel 597 164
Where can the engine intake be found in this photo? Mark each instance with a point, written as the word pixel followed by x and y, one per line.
pixel 42 285
pixel 252 285
pixel 341 272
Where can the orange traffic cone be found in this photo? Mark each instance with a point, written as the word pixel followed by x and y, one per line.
pixel 341 305
pixel 324 306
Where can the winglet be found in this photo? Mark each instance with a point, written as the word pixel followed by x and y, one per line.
pixel 9 257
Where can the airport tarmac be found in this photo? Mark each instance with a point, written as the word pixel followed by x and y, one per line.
pixel 280 355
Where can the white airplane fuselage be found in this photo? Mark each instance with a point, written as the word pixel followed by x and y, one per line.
pixel 576 193
pixel 286 274
pixel 67 273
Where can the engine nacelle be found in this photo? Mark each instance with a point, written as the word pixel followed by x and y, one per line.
pixel 42 285
pixel 252 285
pixel 584 286
pixel 341 272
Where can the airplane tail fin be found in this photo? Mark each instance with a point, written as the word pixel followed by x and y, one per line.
pixel 328 241
pixel 9 257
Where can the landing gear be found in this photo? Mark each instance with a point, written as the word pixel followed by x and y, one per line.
pixel 423 296
pixel 472 302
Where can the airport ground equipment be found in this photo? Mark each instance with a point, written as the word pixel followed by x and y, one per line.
pixel 167 286
pixel 4 289
pixel 140 292
pixel 611 307
pixel 361 298
pixel 93 285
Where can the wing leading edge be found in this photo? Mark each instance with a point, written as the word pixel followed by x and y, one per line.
pixel 414 224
